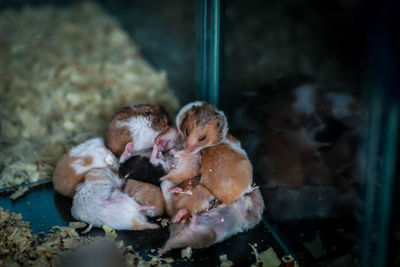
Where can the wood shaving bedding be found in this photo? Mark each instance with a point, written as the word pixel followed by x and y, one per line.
pixel 18 246
pixel 64 72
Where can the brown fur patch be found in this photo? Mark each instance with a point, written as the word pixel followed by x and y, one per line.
pixel 87 161
pixel 117 138
pixel 146 194
pixel 225 172
pixel 65 178
pixel 196 202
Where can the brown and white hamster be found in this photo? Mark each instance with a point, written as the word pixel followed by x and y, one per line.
pixel 134 128
pixel 73 166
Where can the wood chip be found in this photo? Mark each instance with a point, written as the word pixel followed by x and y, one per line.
pixel 164 222
pixel 110 233
pixel 20 192
pixel 77 225
pixel 87 230
pixel 186 253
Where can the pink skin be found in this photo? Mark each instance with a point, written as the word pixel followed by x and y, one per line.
pixel 173 165
pixel 190 148
pixel 159 146
pixel 179 215
pixel 175 190
pixel 174 153
pixel 128 151
pixel 182 212
pixel 164 143
pixel 155 154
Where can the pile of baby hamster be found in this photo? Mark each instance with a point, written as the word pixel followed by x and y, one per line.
pixel 192 170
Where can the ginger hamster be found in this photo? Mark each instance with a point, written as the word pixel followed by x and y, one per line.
pixel 226 171
pixel 134 128
pixel 225 168
pixel 72 167
pixel 146 194
pixel 201 125
pixel 185 199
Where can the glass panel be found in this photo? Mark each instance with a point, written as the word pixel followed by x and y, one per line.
pixel 209 50
pixel 322 139
pixel 311 109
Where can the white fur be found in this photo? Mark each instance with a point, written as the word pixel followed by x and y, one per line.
pixel 100 202
pixel 225 130
pixel 304 99
pixel 165 186
pixel 86 148
pixel 235 146
pixel 141 131
pixel 94 148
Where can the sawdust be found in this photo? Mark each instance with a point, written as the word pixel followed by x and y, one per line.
pixel 18 246
pixel 64 72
